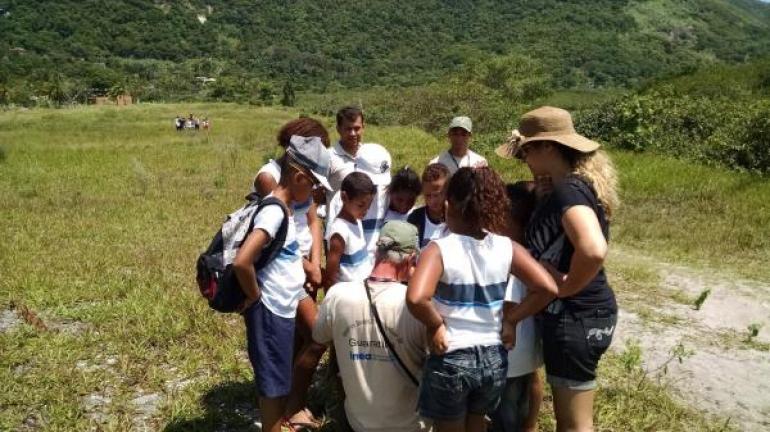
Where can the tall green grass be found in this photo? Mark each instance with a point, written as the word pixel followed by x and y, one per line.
pixel 105 209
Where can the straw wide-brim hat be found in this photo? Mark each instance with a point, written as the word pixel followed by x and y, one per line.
pixel 547 124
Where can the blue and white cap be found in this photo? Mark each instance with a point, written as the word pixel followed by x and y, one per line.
pixel 310 153
pixel 374 160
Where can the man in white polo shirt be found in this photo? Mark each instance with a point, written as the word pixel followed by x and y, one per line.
pixel 350 126
pixel 380 393
pixel 459 154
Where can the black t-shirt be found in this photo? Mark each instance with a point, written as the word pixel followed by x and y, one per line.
pixel 547 241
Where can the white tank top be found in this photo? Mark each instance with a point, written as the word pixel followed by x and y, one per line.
pixel 471 290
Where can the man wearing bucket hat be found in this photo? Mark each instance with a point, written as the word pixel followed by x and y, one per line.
pixel 459 154
pixel 377 373
pixel 568 233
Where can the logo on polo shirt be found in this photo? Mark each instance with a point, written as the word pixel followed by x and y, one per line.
pixel 365 343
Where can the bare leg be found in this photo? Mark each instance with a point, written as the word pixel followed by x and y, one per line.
pixel 272 413
pixel 574 410
pixel 450 426
pixel 535 400
pixel 307 358
pixel 475 423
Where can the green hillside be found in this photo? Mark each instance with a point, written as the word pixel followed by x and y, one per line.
pixel 156 49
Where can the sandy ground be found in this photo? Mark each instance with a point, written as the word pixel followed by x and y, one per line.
pixel 724 375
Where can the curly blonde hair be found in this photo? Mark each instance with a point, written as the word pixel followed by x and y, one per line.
pixel 596 168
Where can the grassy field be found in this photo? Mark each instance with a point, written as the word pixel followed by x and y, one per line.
pixel 104 211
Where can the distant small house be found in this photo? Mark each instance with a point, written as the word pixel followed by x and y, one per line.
pixel 99 100
pixel 124 99
pixel 102 98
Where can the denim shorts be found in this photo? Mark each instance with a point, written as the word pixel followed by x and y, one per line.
pixel 463 381
pixel 573 343
pixel 270 340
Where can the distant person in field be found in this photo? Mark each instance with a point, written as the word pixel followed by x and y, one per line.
pixel 403 191
pixel 457 291
pixel 380 396
pixel 274 292
pixel 568 232
pixel 459 154
pixel 350 127
pixel 310 241
pixel 429 219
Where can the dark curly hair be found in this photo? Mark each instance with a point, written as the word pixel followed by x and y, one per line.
pixel 479 195
pixel 405 180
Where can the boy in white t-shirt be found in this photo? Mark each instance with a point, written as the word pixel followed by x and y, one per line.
pixel 347 258
pixel 374 161
pixel 273 292
pixel 429 219
pixel 459 154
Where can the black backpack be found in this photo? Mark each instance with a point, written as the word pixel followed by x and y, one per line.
pixel 216 279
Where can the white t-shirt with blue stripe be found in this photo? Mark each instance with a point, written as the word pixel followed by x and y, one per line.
pixel 281 279
pixel 373 220
pixel 304 236
pixel 356 262
pixel 470 293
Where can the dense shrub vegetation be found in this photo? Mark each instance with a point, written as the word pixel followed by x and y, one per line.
pixel 675 77
pixel 719 115
pixel 59 50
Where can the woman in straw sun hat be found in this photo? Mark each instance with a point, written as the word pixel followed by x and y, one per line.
pixel 568 232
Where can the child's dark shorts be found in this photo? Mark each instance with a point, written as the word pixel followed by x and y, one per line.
pixel 270 341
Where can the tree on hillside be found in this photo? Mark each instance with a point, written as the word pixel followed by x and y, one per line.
pixel 289 98
pixel 265 94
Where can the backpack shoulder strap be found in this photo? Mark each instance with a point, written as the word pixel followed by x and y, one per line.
pixel 274 247
pixel 385 336
pixel 417 218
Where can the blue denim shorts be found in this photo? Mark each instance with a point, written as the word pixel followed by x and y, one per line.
pixel 463 381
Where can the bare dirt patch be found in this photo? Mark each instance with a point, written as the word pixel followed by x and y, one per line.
pixel 723 372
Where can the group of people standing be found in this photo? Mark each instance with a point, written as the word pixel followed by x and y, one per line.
pixel 439 316
pixel 181 123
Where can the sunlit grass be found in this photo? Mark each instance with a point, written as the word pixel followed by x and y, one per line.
pixel 104 211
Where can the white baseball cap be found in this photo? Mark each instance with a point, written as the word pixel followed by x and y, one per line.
pixel 461 122
pixel 374 160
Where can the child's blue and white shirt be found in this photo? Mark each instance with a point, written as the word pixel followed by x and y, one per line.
pixel 281 280
pixel 356 261
pixel 304 236
pixel 373 220
pixel 470 293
